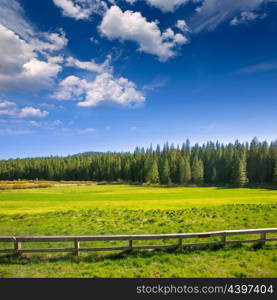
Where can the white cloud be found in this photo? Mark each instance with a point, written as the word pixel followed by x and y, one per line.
pixel 133 26
pixel 182 25
pixel 27 57
pixel 104 88
pixel 88 131
pixel 71 88
pixel 28 112
pixel 34 124
pixel 58 59
pixel 34 75
pixel 80 9
pixel 19 66
pixel 94 40
pixel 52 41
pixel 164 5
pixel 10 109
pixel 12 17
pixel 211 13
pixel 37 68
pixel 88 65
pixel 5 104
pixel 14 51
pixel 14 132
pixel 245 17
pixel 8 112
pixel 155 84
pixel 46 124
pixel 261 67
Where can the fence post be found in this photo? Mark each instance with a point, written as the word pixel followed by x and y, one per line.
pixel 223 238
pixel 130 244
pixel 263 237
pixel 76 246
pixel 17 246
pixel 180 243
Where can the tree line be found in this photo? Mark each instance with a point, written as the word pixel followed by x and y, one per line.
pixel 211 163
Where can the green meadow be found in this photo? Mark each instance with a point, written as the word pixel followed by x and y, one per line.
pixel 126 209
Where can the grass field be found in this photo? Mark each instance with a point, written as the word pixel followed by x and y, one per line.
pixel 123 209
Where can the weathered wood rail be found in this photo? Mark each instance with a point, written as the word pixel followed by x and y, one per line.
pixel 18 240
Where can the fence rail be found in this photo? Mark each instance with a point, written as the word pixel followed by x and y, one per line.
pixel 18 240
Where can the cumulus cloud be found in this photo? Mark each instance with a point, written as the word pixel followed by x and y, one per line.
pixel 71 88
pixel 211 13
pixel 88 65
pixel 10 109
pixel 105 87
pixel 20 67
pixel 58 59
pixel 80 9
pixel 52 41
pixel 12 17
pixel 132 26
pixel 182 25
pixel 28 58
pixel 164 5
pixel 14 52
pixel 28 112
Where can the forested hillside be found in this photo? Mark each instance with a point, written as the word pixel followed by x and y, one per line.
pixel 211 163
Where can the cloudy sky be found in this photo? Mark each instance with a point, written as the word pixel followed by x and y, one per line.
pixel 91 75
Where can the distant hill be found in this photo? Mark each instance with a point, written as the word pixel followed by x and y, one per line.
pixel 87 153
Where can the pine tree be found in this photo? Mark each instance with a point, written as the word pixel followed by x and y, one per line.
pixel 197 172
pixel 275 171
pixel 153 173
pixel 165 175
pixel 214 175
pixel 239 171
pixel 253 161
pixel 181 170
pixel 187 171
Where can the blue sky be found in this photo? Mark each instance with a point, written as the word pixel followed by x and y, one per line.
pixel 88 75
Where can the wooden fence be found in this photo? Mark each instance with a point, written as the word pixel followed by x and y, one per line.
pixel 18 240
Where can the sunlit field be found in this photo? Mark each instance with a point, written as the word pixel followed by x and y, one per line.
pixel 125 209
pixel 42 200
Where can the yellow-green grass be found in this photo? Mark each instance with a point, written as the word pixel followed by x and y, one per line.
pixel 123 209
pixel 25 184
pixel 33 201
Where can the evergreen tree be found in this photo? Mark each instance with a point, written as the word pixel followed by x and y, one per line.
pixel 153 173
pixel 197 172
pixel 253 161
pixel 181 170
pixel 165 175
pixel 187 178
pixel 275 171
pixel 239 171
pixel 214 176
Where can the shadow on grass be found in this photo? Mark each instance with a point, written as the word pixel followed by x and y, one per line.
pixel 191 185
pixel 15 259
pixel 263 187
